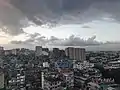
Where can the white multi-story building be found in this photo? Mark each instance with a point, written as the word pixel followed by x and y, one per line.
pixel 45 64
pixel 83 65
pixel 51 81
pixel 68 77
pixel 17 82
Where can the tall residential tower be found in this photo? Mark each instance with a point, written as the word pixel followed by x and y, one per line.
pixel 75 53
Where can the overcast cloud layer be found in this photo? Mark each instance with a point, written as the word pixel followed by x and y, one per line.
pixel 16 14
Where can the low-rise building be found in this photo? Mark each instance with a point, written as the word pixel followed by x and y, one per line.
pixel 51 81
pixel 68 77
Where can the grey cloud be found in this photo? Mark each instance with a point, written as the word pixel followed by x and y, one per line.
pixel 11 19
pixel 85 26
pixel 77 41
pixel 38 39
pixel 16 14
pixel 16 42
pixel 35 38
pixel 42 11
pixel 52 39
pixel 112 42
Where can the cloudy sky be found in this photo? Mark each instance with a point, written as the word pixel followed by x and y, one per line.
pixel 93 24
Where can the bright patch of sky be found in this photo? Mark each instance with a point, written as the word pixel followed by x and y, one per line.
pixel 105 30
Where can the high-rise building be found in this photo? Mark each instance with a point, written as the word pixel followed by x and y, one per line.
pixel 38 50
pixel 45 49
pixel 15 51
pixel 56 52
pixel 75 53
pixel 8 52
pixel 1 50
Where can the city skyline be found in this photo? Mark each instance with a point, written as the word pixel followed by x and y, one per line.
pixel 59 45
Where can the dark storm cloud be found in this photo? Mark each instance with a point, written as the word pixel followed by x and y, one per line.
pixel 11 19
pixel 16 14
pixel 43 11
